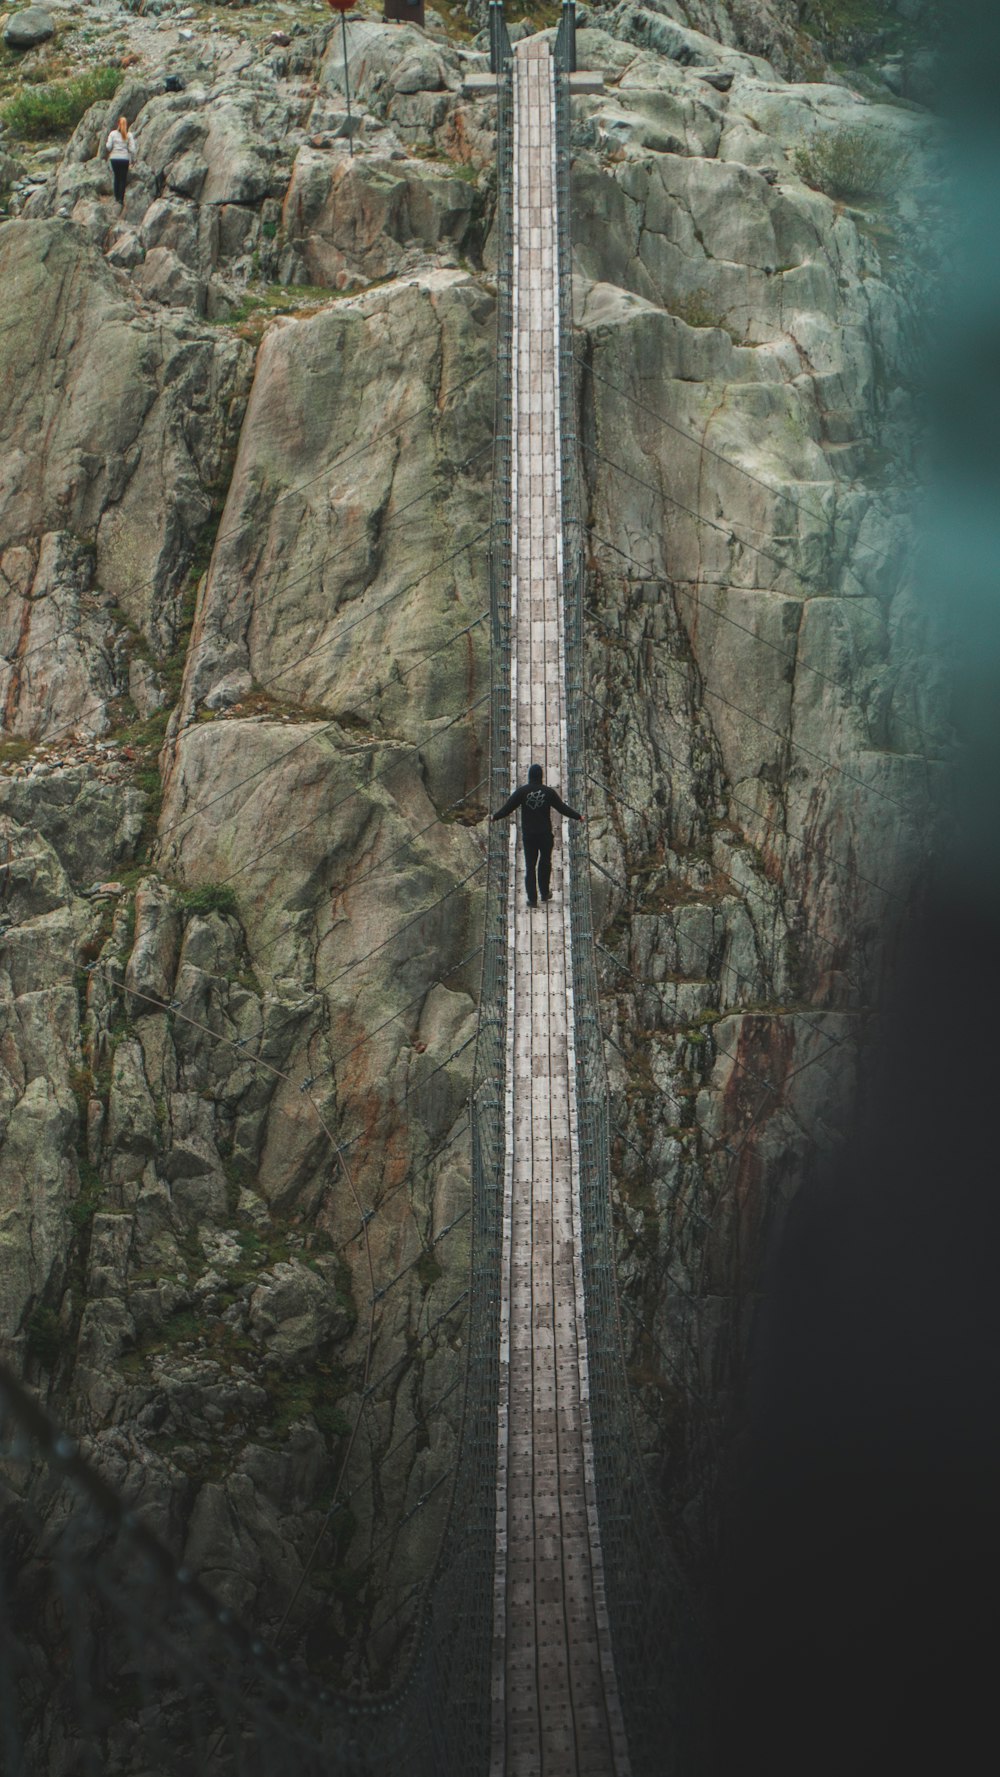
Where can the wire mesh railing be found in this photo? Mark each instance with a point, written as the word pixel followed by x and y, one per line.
pixel 651 1625
pixel 462 1598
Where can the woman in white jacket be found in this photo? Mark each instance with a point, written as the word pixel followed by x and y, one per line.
pixel 121 152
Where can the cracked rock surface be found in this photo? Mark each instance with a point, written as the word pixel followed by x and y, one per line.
pixel 244 509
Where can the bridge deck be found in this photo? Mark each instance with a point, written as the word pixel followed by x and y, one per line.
pixel 555 1710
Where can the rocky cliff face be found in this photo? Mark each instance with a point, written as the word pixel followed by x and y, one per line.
pixel 244 519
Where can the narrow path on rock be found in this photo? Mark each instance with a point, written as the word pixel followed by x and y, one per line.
pixel 556 1711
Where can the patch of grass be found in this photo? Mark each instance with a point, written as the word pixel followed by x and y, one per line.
pixel 258 1253
pixel 841 23
pixel 294 1398
pixel 56 109
pixel 171 669
pixel 428 1269
pixel 853 165
pixel 13 751
pixel 148 732
pixel 181 1328
pixel 838 15
pixel 543 14
pixel 81 1084
pixel 259 702
pixel 697 311
pixel 45 1337
pixel 456 169
pixel 457 23
pixel 211 897
pixel 263 300
pixel 84 1205
pixel 245 979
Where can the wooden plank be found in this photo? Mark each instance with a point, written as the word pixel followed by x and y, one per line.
pixel 555 1706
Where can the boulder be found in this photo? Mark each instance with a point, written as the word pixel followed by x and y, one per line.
pixel 151 966
pixel 92 825
pixel 165 278
pixel 295 1313
pixel 356 220
pixel 26 29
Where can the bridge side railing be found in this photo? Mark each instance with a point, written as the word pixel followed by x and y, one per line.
pixel 649 1621
pixel 462 1600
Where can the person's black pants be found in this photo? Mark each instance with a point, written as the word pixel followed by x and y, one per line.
pixel 120 170
pixel 537 856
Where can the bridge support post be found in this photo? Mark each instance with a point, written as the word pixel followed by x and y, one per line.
pixel 569 34
pixel 496 30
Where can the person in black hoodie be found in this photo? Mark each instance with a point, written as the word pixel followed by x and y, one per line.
pixel 536 799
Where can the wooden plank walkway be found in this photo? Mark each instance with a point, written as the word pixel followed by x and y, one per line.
pixel 556 1711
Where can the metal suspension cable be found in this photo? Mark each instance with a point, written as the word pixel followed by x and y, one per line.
pixel 708 450
pixel 249 864
pixel 733 537
pixel 832 1042
pixel 366 1389
pixel 347 455
pixel 395 1447
pixel 712 524
pixel 149 585
pixel 62 1454
pixel 336 1148
pixel 377 870
pixel 787 740
pixel 737 1011
pixel 373 1387
pixel 324 814
pixel 283 586
pixel 783 832
pixel 394 1191
pixel 238 1044
pixel 100 704
pixel 314 733
pixel 790 659
pixel 438 821
pixel 381 945
pixel 269 1067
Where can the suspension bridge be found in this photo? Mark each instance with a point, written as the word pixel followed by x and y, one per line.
pixel 553 1629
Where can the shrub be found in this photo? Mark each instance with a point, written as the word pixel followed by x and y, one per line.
pixel 83 1208
pixel 56 109
pixel 212 897
pixel 696 310
pixel 45 1337
pixel 852 164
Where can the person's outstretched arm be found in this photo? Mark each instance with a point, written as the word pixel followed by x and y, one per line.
pixel 512 802
pixel 563 807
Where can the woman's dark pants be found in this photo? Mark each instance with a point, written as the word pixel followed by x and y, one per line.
pixel 120 171
pixel 537 853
